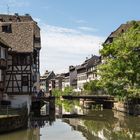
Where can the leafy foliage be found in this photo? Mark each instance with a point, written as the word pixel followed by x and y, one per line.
pixel 57 92
pixel 67 91
pixel 120 72
pixel 92 87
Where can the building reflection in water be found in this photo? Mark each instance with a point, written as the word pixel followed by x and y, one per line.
pixel 100 124
pixel 106 125
pixel 28 134
pixel 33 132
pixel 93 124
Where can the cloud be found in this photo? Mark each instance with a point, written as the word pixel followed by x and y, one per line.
pixel 62 47
pixel 89 29
pixel 60 30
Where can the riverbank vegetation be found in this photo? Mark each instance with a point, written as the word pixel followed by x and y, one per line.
pixel 58 92
pixel 92 87
pixel 67 104
pixel 120 71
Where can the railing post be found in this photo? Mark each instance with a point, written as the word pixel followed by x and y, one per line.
pixel 7 111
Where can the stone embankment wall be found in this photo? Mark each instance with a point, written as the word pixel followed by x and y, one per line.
pixel 131 106
pixel 11 123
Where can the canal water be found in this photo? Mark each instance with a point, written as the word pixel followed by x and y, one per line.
pixel 71 122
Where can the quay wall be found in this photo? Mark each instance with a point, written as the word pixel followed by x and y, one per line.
pixel 129 107
pixel 11 123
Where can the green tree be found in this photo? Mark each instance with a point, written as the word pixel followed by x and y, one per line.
pixel 92 87
pixel 120 72
pixel 68 91
pixel 59 92
pixel 56 92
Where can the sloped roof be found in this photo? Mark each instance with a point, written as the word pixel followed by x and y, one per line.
pixel 88 63
pixel 3 42
pixel 60 76
pixel 46 75
pixel 24 31
pixel 14 18
pixel 121 29
pixel 91 61
pixel 66 74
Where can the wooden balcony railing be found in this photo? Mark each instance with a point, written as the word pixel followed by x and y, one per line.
pixel 3 63
pixel 1 85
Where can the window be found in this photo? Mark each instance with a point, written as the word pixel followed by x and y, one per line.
pixel 28 60
pixel 0 75
pixel 122 31
pixel 15 60
pixel 35 57
pixel 21 59
pixel 2 53
pixel 1 19
pixel 25 81
pixel 7 28
pixel 37 39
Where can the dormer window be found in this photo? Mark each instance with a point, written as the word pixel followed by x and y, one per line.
pixel 1 19
pixel 7 28
pixel 18 19
pixel 36 39
pixel 10 19
pixel 122 30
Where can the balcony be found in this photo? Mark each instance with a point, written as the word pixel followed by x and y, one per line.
pixel 1 85
pixel 3 63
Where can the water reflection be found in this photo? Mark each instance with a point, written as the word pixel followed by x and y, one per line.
pixel 101 124
pixel 41 121
pixel 35 123
pixel 116 126
pixel 105 124
pixel 74 123
pixel 30 134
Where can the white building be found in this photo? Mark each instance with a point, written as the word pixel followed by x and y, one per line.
pixel 66 81
pixel 87 72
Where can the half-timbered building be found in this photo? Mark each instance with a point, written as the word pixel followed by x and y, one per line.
pixel 3 66
pixel 66 81
pixel 22 34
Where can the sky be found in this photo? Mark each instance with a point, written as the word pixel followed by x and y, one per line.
pixel 72 30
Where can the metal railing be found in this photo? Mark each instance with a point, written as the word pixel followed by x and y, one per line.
pixel 9 110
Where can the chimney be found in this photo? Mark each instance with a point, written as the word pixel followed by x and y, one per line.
pixel 16 14
pixel 27 14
